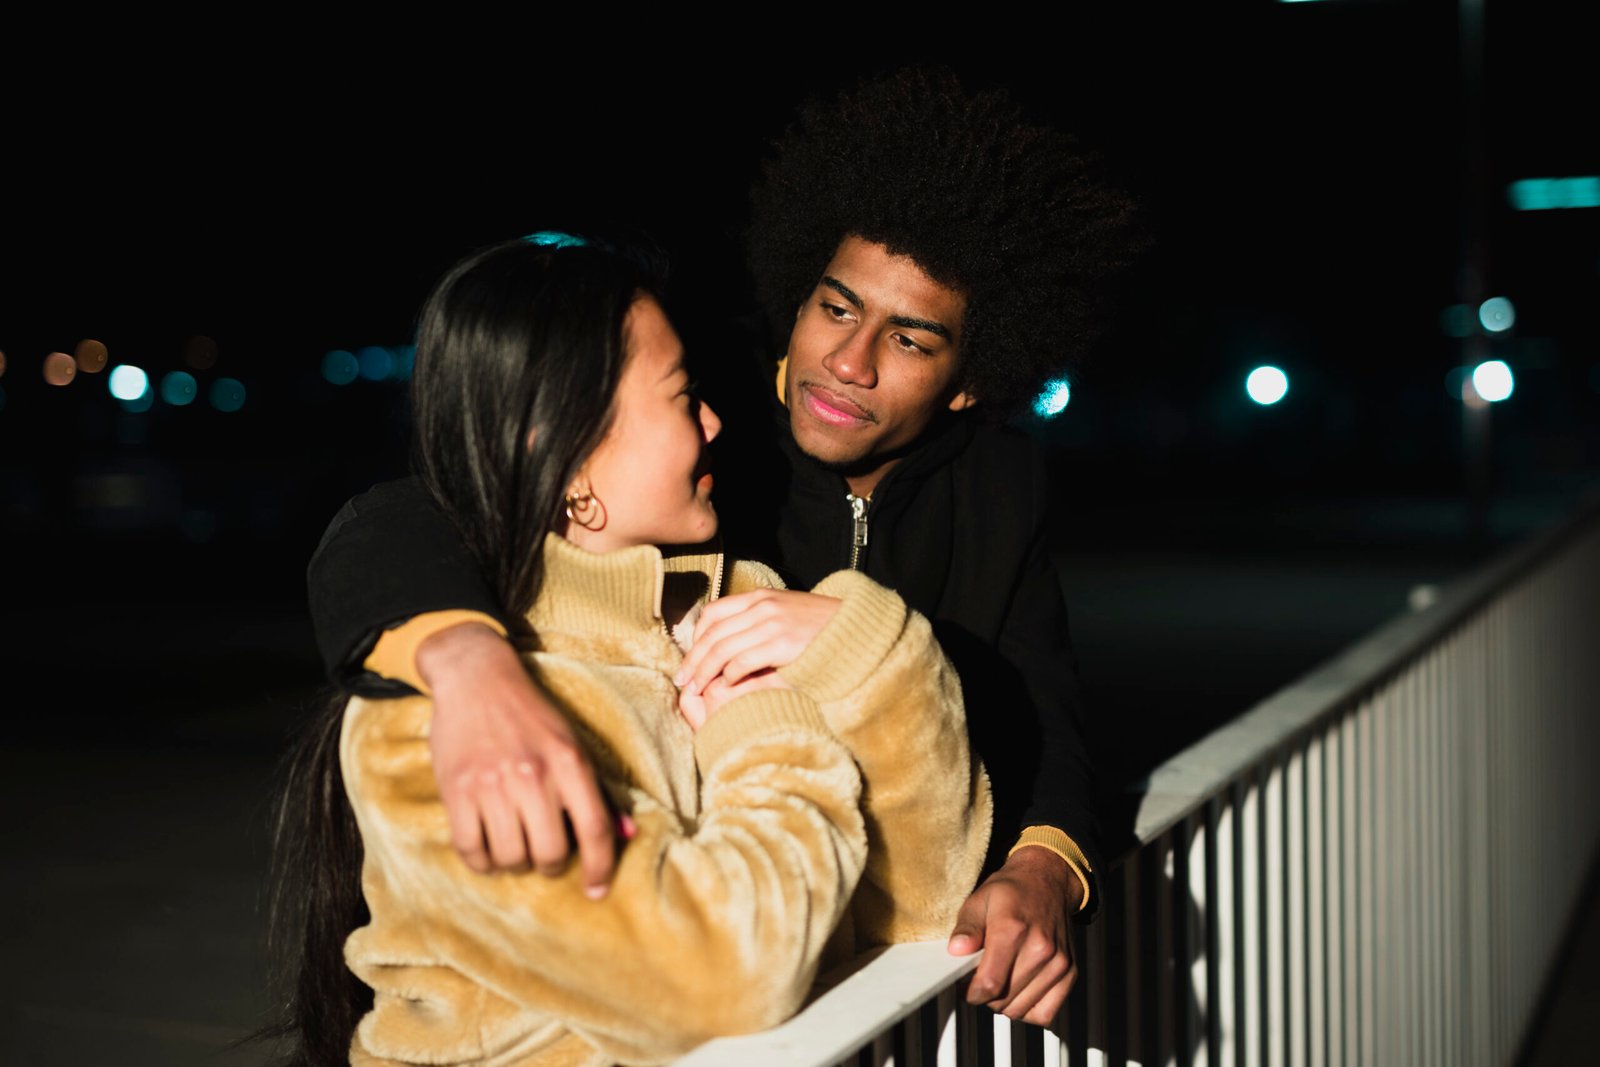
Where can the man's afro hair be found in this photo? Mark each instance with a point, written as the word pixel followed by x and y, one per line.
pixel 984 201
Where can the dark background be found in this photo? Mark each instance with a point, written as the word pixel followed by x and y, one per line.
pixel 1306 171
pixel 289 189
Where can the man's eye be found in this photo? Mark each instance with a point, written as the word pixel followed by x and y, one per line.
pixel 834 310
pixel 907 344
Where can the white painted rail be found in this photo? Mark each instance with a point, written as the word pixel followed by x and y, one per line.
pixel 1373 866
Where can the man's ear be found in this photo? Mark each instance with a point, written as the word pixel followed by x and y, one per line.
pixel 962 401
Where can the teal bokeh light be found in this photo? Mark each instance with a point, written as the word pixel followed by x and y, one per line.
pixel 1497 314
pixel 1053 398
pixel 1458 320
pixel 1493 380
pixel 375 363
pixel 405 358
pixel 1550 194
pixel 179 389
pixel 340 367
pixel 1267 385
pixel 227 394
pixel 128 383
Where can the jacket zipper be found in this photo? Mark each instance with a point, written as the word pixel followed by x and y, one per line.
pixel 858 537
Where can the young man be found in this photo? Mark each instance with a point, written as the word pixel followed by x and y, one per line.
pixel 940 258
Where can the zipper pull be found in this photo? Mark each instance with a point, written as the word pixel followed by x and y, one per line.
pixel 858 540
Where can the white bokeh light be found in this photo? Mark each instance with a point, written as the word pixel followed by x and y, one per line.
pixel 1267 385
pixel 128 382
pixel 1493 380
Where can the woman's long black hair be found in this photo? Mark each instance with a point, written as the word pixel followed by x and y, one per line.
pixel 520 348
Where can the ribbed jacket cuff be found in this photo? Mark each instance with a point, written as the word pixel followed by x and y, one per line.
pixel 1049 837
pixel 768 711
pixel 395 654
pixel 855 641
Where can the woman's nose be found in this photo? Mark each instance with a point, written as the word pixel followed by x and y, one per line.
pixel 710 425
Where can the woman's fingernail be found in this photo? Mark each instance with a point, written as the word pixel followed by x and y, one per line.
pixel 594 892
pixel 628 827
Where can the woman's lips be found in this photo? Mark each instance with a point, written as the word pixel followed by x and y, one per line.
pixel 832 408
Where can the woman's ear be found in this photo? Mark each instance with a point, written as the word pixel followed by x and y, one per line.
pixel 962 401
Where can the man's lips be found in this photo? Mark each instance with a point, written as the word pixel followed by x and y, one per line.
pixel 833 408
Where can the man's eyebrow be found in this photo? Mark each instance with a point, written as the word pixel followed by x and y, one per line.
pixel 844 290
pixel 920 324
pixel 907 321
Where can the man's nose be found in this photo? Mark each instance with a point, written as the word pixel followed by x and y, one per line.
pixel 855 362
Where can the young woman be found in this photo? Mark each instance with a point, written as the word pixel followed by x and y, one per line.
pixel 776 824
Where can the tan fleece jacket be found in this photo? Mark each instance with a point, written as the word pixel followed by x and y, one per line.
pixel 752 834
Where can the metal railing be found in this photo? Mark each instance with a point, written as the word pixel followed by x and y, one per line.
pixel 1373 866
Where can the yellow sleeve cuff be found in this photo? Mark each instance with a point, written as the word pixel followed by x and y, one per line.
pixel 395 654
pixel 1048 837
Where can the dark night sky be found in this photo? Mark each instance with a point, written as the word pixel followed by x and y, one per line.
pixel 1300 164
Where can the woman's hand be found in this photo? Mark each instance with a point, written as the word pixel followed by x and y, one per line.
pixel 762 630
pixel 698 707
pixel 507 763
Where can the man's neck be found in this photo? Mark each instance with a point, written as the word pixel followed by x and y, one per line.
pixel 862 485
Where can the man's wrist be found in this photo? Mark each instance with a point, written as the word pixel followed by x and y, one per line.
pixel 460 647
pixel 1040 840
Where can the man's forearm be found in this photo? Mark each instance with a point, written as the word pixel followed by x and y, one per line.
pixel 387 556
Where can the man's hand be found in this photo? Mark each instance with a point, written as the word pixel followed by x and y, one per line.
pixel 507 763
pixel 1019 916
pixel 739 635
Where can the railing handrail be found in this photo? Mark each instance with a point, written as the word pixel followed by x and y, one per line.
pixel 1183 784
pixel 879 990
pixel 880 996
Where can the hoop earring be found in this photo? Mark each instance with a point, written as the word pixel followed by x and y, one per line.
pixel 586 510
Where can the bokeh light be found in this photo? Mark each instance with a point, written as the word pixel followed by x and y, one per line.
pixel 141 403
pixel 1545 194
pixel 340 367
pixel 1497 314
pixel 1053 398
pixel 179 389
pixel 1493 380
pixel 2 364
pixel 1457 320
pixel 227 394
pixel 128 382
pixel 1455 382
pixel 60 368
pixel 405 358
pixel 91 356
pixel 375 363
pixel 1267 385
pixel 200 352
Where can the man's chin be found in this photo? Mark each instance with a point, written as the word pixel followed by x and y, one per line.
pixel 829 453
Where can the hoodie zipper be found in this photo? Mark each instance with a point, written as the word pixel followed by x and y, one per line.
pixel 858 536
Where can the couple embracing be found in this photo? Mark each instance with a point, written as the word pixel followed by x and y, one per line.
pixel 816 698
